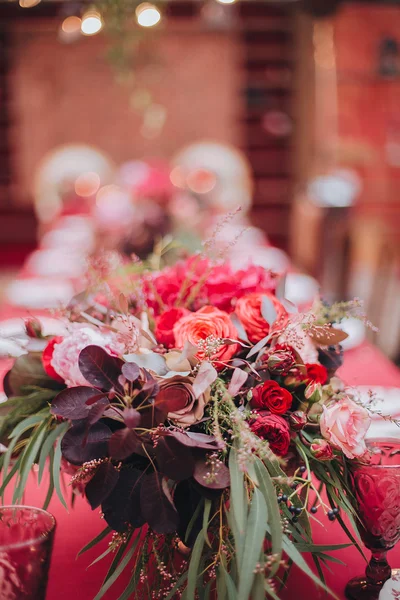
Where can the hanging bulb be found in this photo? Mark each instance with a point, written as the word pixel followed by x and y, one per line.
pixel 147 15
pixel 92 23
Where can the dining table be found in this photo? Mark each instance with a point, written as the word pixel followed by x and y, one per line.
pixel 72 577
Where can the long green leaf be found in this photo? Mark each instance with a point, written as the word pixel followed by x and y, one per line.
pixel 237 496
pixel 258 592
pixel 298 560
pixel 48 445
pixel 177 585
pixel 106 586
pixel 25 425
pixel 267 489
pixel 270 591
pixel 193 572
pixel 57 471
pixel 28 458
pixel 50 490
pixel 255 534
pixel 230 586
pixel 95 541
pixel 206 518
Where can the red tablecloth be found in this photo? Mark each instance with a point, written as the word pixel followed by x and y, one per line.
pixel 69 577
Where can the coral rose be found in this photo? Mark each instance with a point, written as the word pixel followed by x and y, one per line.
pixel 344 424
pixel 248 309
pixel 271 396
pixel 274 429
pixel 212 323
pixel 165 325
pixel 176 397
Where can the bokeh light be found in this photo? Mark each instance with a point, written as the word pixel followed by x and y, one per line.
pixel 92 23
pixel 147 15
pixel 201 181
pixel 71 24
pixel 226 1
pixel 29 3
pixel 178 177
pixel 87 184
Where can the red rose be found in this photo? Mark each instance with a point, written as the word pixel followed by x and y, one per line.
pixel 48 355
pixel 316 373
pixel 271 396
pixel 165 324
pixel 274 429
pixel 248 309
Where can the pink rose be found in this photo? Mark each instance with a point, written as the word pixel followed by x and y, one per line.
pixel 65 358
pixel 344 424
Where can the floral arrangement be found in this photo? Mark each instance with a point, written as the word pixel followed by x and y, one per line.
pixel 201 413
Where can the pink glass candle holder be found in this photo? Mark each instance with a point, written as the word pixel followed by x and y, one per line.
pixel 26 541
pixel 376 488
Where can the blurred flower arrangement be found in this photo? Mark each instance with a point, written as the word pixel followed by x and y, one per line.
pixel 198 409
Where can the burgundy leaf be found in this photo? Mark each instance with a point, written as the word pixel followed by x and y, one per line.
pixel 174 461
pixel 6 385
pixel 131 417
pixel 206 375
pixel 195 440
pixel 156 506
pixel 239 378
pixel 99 368
pixel 123 443
pixel 80 445
pixel 97 410
pixel 72 403
pixel 102 484
pixel 268 310
pixel 122 507
pixel 220 479
pixel 130 371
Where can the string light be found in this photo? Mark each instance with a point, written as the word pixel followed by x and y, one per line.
pixel 91 23
pixel 70 29
pixel 147 15
pixel 28 3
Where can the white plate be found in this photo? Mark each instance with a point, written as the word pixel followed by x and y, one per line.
pixel 388 403
pixel 39 293
pixel 356 331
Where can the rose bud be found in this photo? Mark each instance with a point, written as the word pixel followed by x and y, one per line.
pixel 321 450
pixel 280 361
pixel 313 392
pixel 297 420
pixel 33 328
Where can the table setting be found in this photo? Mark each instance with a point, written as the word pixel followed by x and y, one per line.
pixel 264 350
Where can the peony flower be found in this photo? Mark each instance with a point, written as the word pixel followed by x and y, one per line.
pixel 344 424
pixel 248 309
pixel 271 396
pixel 316 373
pixel 165 324
pixel 65 357
pixel 209 324
pixel 176 397
pixel 274 429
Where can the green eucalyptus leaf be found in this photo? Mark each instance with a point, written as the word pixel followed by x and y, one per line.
pixel 95 540
pixel 193 572
pixel 48 445
pixel 119 569
pixel 254 538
